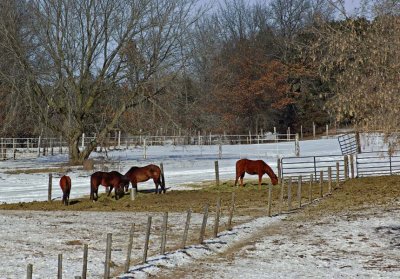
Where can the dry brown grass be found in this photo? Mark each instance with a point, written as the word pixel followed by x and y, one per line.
pixel 355 194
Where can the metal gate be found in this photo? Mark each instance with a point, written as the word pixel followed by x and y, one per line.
pixel 378 163
pixel 348 144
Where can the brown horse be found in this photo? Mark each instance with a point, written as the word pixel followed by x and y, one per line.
pixel 141 174
pixel 111 179
pixel 65 185
pixel 254 167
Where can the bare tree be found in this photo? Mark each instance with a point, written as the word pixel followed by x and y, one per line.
pixel 75 56
pixel 360 59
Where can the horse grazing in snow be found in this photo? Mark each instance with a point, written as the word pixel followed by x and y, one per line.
pixel 141 174
pixel 254 167
pixel 112 179
pixel 65 185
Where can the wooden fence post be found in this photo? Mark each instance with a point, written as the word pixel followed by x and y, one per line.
pixel 290 194
pixel 186 230
pixel 216 221
pixel 231 210
pixel 352 166
pixel 164 233
pixel 144 149
pixel 310 188
pixel 330 180
pixel 313 125
pixel 321 180
pixel 299 186
pixel 108 257
pixel 38 146
pixel 278 164
pixel 204 224
pixel 301 131
pixel 281 196
pixel 50 187
pixel 129 251
pixel 59 273
pixel 270 200
pixel 85 261
pixel 29 271
pixel 346 167
pixel 146 241
pixel 14 150
pixel 337 175
pixel 297 145
pixel 216 173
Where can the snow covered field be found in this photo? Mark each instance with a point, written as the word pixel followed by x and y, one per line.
pixel 364 246
pixel 183 165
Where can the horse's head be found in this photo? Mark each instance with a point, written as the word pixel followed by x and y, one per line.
pixel 125 182
pixel 271 174
pixel 274 179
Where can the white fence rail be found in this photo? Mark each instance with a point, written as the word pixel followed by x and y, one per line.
pixel 15 148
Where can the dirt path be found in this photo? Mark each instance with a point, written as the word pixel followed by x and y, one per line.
pixel 363 244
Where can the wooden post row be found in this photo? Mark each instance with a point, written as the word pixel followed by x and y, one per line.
pixel 281 196
pixel 59 273
pixel 50 187
pixel 129 251
pixel 310 189
pixel 85 261
pixel 29 271
pixel 216 173
pixel 108 257
pixel 299 186
pixel 321 180
pixel 146 241
pixel 270 200
pixel 290 194
pixel 164 233
pixel 217 212
pixel 186 230
pixel 204 224
pixel 231 210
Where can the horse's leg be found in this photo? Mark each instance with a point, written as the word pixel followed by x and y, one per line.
pixel 134 184
pixel 241 180
pixel 156 182
pixel 116 193
pixel 259 181
pixel 109 191
pixel 97 192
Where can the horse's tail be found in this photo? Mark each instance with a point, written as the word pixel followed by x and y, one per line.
pixel 162 181
pixel 91 188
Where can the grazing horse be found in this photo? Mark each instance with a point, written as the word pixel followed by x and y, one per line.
pixel 65 185
pixel 254 167
pixel 141 174
pixel 111 179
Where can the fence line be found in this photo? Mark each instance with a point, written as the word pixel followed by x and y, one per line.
pixel 42 146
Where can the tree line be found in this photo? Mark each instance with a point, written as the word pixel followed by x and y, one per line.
pixel 69 67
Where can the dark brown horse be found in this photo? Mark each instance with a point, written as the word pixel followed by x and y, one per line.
pixel 141 174
pixel 65 185
pixel 254 167
pixel 111 179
